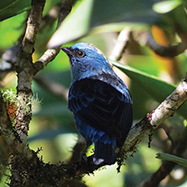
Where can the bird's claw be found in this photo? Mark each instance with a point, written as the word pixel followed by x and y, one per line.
pixel 149 116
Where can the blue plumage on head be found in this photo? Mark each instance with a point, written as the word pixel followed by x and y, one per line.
pixel 87 60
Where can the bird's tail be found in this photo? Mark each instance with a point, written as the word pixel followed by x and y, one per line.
pixel 104 153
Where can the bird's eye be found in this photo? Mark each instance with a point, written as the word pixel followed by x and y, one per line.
pixel 80 53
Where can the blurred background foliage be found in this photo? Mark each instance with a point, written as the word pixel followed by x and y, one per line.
pixel 100 22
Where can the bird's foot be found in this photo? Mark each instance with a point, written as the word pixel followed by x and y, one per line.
pixel 149 116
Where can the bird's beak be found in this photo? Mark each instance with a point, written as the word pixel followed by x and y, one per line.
pixel 67 50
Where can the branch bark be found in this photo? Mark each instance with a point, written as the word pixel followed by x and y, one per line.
pixel 166 109
pixel 24 68
pixel 50 54
pixel 37 168
pixel 121 44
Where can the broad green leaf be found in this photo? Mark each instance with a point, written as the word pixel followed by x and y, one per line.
pixel 11 8
pixel 90 14
pixel 155 87
pixel 76 25
pixel 174 15
pixel 109 11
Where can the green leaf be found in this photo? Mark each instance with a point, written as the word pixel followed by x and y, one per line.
pixel 155 87
pixel 173 14
pixel 11 8
pixel 74 26
pixel 11 29
pixel 151 84
pixel 90 14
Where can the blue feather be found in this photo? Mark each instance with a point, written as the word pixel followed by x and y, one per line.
pixel 100 101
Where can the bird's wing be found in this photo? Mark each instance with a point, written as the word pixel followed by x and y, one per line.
pixel 101 106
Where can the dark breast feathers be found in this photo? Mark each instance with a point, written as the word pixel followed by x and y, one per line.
pixel 99 105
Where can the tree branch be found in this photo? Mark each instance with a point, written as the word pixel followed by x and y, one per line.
pixel 166 109
pixel 25 69
pixel 120 45
pixel 51 17
pixel 50 54
pixel 36 167
pixel 169 51
pixel 10 135
pixel 65 9
pixel 171 104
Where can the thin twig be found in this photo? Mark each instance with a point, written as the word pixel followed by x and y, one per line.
pixel 50 18
pixel 121 44
pixel 47 57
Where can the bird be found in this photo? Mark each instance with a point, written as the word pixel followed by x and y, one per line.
pixel 100 101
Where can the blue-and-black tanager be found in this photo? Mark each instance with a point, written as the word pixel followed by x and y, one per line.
pixel 100 101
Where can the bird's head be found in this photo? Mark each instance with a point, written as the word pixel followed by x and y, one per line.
pixel 86 60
